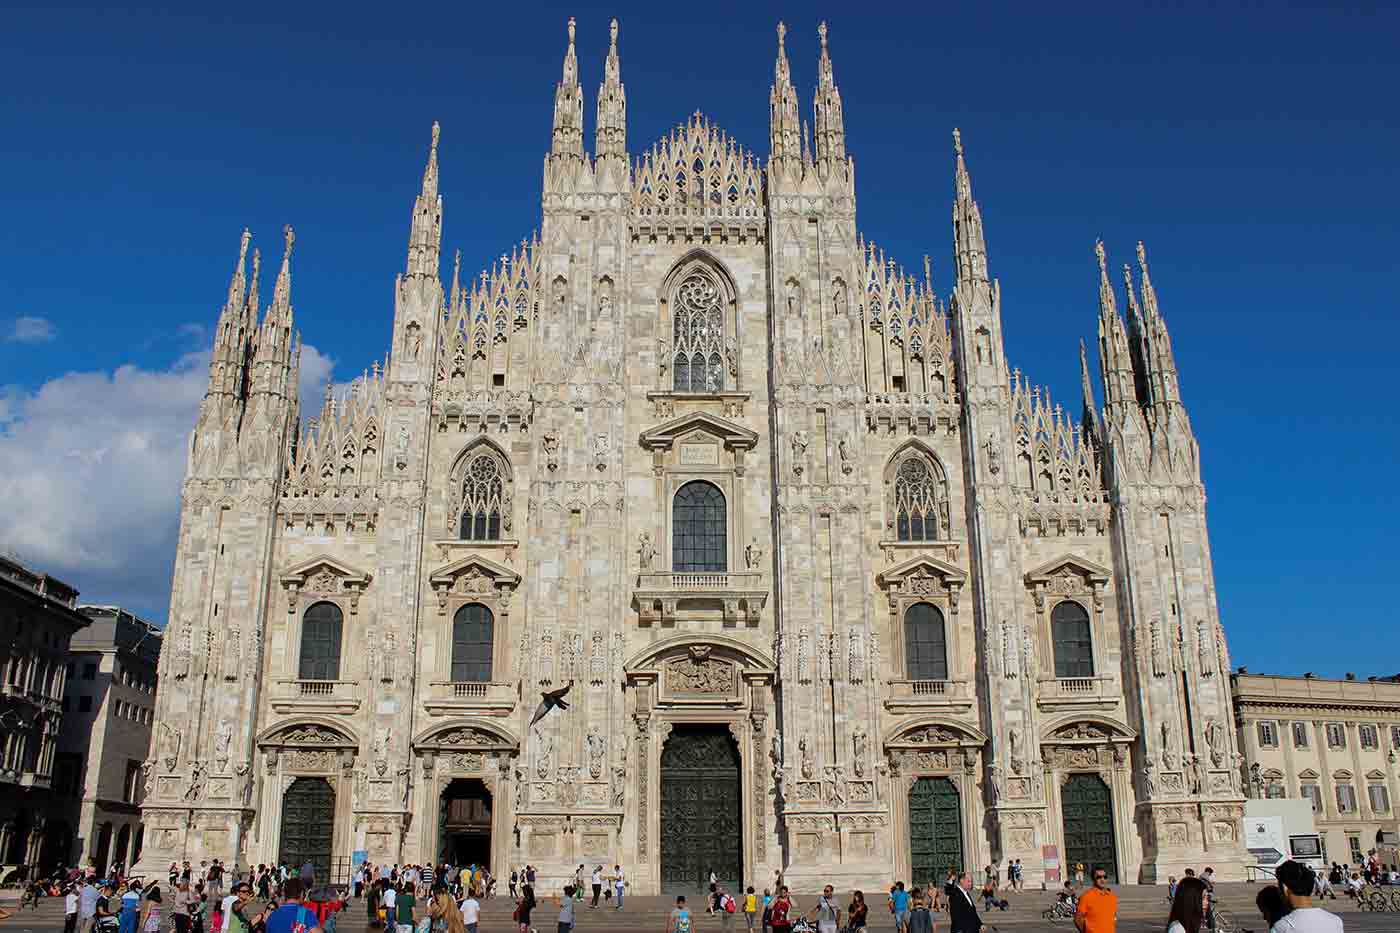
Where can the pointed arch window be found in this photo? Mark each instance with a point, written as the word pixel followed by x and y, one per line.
pixel 697 335
pixel 925 643
pixel 917 501
pixel 320 642
pixel 484 502
pixel 699 533
pixel 1073 640
pixel 473 634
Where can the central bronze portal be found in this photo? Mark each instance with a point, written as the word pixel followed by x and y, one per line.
pixel 701 815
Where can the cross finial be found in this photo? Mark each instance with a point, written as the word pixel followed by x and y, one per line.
pixel 957 141
pixel 821 31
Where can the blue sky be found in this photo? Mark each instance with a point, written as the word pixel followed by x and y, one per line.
pixel 1253 147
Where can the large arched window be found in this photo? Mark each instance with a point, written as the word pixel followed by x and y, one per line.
pixel 697 335
pixel 916 511
pixel 320 642
pixel 1074 647
pixel 699 539
pixel 925 643
pixel 472 631
pixel 483 488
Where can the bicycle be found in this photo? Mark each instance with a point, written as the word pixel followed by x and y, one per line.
pixel 1225 921
pixel 1373 899
pixel 1061 910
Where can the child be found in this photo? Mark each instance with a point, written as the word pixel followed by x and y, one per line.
pixel 1171 888
pixel 679 921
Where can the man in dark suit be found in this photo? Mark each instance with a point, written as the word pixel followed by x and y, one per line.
pixel 962 910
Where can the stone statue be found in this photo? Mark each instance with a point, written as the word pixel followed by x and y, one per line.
pixel 808 767
pixel 800 440
pixel 169 746
pixel 413 342
pixel 663 356
pixel 843 449
pixel 381 750
pixel 597 748
pixel 619 786
pixel 1149 779
pixel 1168 746
pixel 196 781
pixel 223 737
pixel 993 784
pixel 544 754
pixel 753 555
pixel 1215 738
pixel 646 552
pixel 731 355
pixel 1017 763
pixel 1197 774
pixel 860 741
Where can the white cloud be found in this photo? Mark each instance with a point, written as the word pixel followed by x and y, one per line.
pixel 32 330
pixel 90 470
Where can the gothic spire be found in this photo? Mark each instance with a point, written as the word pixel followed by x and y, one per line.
pixel 970 247
pixel 1090 416
pixel 279 313
pixel 1137 340
pixel 827 120
pixel 568 106
pixel 425 230
pixel 783 129
pixel 227 361
pixel 1161 362
pixel 1115 358
pixel 610 135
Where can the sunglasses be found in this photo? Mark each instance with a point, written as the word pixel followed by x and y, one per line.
pixel 1101 877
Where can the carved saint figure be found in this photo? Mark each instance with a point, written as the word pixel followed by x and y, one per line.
pixel 731 355
pixel 1168 746
pixel 663 356
pixel 196 781
pixel 860 741
pixel 1017 764
pixel 1149 778
pixel 619 786
pixel 544 754
pixel 169 746
pixel 805 750
pixel 646 552
pixel 843 449
pixel 1197 774
pixel 1215 738
pixel 381 750
pixel 223 737
pixel 597 748
pixel 413 342
pixel 753 554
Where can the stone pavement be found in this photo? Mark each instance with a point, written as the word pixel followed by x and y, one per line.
pixel 1142 910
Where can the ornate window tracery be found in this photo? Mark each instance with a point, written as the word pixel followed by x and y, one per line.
pixel 697 335
pixel 925 643
pixel 919 502
pixel 699 533
pixel 473 633
pixel 320 642
pixel 481 510
pixel 1073 640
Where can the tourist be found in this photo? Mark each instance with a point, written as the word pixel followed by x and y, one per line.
pixel 388 895
pixel 857 913
pixel 525 905
pixel 899 906
pixel 1271 905
pixel 597 881
pixel 130 909
pixel 714 896
pixel 826 913
pixel 1097 911
pixel 619 882
pixel 427 877
pixel 308 874
pixel 87 906
pixel 515 880
pixel 290 915
pixel 962 910
pixel 1079 874
pixel 198 909
pixel 679 921
pixel 470 910
pixel 70 910
pixel 566 908
pixel 767 919
pixel 104 920
pixel 727 908
pixel 920 918
pixel 779 916
pixel 1295 881
pixel 404 903
pixel 750 909
pixel 1189 906
pixel 214 880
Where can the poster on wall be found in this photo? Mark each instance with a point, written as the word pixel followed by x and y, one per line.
pixel 1050 856
pixel 359 857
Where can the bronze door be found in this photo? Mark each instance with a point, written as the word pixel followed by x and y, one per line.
pixel 701 815
pixel 308 817
pixel 935 830
pixel 1088 807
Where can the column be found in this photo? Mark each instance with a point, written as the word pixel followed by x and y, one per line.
pixel 1324 780
pixel 1363 798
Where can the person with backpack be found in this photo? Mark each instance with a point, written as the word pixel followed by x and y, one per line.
pixel 679 921
pixel 726 909
pixel 826 913
pixel 899 906
pixel 780 914
pixel 920 917
pixel 525 905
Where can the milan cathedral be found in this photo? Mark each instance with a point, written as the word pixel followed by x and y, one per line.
pixel 838 592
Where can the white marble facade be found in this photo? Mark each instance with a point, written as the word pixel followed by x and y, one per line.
pixel 697 315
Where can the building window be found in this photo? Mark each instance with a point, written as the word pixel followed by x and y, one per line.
pixel 320 642
pixel 472 630
pixel 1336 735
pixel 699 536
pixel 1274 790
pixel 85 703
pixel 483 496
pixel 89 672
pixel 1380 798
pixel 698 335
pixel 925 643
pixel 1268 735
pixel 1395 737
pixel 1313 794
pixel 132 785
pixel 1346 798
pixel 1354 843
pixel 1300 735
pixel 1368 736
pixel 916 501
pixel 1074 649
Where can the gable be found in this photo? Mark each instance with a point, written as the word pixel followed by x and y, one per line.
pixel 921 566
pixel 1056 569
pixel 475 567
pixel 733 436
pixel 319 567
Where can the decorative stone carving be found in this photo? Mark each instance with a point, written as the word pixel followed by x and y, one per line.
pixel 799 442
pixel 1215 740
pixel 859 750
pixel 597 749
pixel 646 551
pixel 168 742
pixel 1081 730
pixel 753 555
pixel 223 738
pixel 804 749
pixel 711 676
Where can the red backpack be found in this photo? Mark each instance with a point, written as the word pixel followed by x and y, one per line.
pixel 728 904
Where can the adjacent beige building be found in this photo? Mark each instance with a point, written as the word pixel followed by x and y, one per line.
pixel 38 618
pixel 1333 742
pixel 109 709
pixel 839 591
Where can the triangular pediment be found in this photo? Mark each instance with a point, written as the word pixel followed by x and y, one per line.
pixel 474 566
pixel 1308 774
pixel 733 436
pixel 1374 775
pixel 1088 570
pixel 324 564
pixel 921 566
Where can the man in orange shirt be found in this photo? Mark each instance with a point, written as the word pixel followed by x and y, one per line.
pixel 1098 907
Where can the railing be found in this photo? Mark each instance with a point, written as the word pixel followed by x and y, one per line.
pixel 655 580
pixel 339 693
pixel 461 690
pixel 700 581
pixel 921 694
pixel 480 696
pixel 1078 685
pixel 928 687
pixel 1071 690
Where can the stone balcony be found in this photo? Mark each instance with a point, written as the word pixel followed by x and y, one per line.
pixel 470 698
pixel 907 696
pixel 316 696
pixel 737 597
pixel 1078 693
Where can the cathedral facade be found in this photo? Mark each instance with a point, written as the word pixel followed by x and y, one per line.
pixel 835 591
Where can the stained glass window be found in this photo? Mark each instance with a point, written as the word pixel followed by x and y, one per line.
pixel 698 335
pixel 481 499
pixel 916 501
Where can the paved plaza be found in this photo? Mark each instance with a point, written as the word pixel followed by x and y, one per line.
pixel 1143 910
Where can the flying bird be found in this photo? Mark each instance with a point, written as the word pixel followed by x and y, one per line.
pixel 551 699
